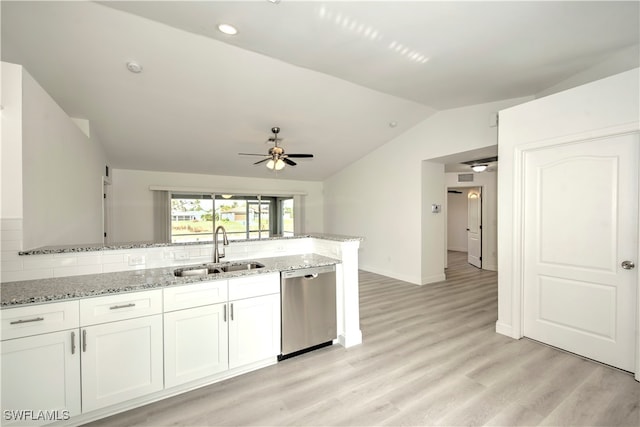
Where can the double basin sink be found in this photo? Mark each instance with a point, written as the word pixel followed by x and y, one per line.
pixel 213 269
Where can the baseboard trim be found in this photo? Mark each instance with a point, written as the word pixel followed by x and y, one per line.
pixel 433 279
pixel 490 267
pixel 457 249
pixel 405 278
pixel 504 329
pixel 350 339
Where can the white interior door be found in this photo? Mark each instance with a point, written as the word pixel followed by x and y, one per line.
pixel 580 225
pixel 474 227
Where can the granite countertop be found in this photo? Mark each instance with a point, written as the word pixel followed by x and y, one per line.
pixel 66 288
pixel 91 247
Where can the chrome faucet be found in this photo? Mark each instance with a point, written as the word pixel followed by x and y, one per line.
pixel 225 242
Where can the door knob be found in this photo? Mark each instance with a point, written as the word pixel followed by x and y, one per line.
pixel 628 265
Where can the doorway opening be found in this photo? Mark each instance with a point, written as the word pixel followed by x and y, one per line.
pixel 464 222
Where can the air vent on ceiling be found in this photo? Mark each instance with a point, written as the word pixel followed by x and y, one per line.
pixel 479 161
pixel 465 177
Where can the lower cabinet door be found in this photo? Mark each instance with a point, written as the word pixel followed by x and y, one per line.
pixel 254 330
pixel 40 378
pixel 195 343
pixel 121 361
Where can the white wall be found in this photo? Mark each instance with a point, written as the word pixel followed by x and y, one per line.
pixel 603 107
pixel 62 174
pixel 381 196
pixel 489 183
pixel 11 147
pixel 433 225
pixel 132 201
pixel 51 171
pixel 457 213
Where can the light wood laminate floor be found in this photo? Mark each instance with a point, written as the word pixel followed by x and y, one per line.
pixel 430 357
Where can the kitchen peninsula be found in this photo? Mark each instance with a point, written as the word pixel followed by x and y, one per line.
pixel 141 306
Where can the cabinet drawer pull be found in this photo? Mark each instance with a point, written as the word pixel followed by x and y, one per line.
pixel 115 307
pixel 84 340
pixel 224 316
pixel 73 343
pixel 231 311
pixel 18 322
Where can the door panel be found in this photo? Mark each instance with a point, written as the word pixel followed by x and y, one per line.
pixel 121 361
pixel 474 227
pixel 41 372
pixel 580 223
pixel 195 343
pixel 254 330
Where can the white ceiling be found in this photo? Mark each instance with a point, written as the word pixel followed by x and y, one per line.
pixel 332 75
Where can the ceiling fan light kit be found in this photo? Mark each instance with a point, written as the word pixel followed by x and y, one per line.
pixel 276 158
pixel 277 165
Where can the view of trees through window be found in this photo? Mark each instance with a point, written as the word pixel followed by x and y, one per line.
pixel 194 217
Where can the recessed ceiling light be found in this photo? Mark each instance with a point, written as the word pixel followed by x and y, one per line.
pixel 228 29
pixel 274 1
pixel 134 67
pixel 393 124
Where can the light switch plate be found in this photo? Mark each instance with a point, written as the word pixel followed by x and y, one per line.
pixel 136 259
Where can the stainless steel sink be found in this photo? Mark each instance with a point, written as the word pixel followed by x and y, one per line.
pixel 205 270
pixel 241 266
pixel 197 271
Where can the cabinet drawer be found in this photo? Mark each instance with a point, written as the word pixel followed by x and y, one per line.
pixel 120 307
pixel 195 295
pixel 254 286
pixel 39 319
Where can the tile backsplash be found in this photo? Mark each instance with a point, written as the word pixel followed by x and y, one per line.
pixel 15 267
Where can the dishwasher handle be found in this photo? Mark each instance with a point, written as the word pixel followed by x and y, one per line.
pixel 311 276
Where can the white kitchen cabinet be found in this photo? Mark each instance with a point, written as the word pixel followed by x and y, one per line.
pixel 40 363
pixel 195 332
pixel 254 320
pixel 111 308
pixel 71 358
pixel 41 374
pixel 254 330
pixel 121 359
pixel 195 343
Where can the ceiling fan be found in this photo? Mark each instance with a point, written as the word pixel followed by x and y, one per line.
pixel 276 157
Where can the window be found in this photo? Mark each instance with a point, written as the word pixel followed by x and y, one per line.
pixel 194 217
pixel 191 218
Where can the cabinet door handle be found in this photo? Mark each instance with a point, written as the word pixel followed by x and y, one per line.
pixel 231 311
pixel 73 343
pixel 84 340
pixel 115 307
pixel 224 315
pixel 18 322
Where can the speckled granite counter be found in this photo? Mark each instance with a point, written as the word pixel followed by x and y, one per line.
pixel 63 288
pixel 140 245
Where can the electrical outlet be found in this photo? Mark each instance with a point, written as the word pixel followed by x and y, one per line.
pixel 136 259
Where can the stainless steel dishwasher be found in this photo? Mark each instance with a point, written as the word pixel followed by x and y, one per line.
pixel 308 309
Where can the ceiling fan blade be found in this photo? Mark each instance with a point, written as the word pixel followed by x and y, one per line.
pixel 252 154
pixel 261 161
pixel 289 162
pixel 300 155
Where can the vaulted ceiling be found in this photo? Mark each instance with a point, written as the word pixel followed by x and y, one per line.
pixel 340 78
